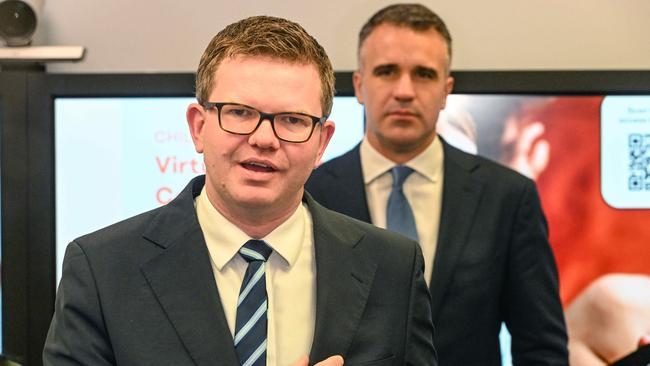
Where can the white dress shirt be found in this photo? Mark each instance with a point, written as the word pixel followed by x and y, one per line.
pixel 423 190
pixel 290 278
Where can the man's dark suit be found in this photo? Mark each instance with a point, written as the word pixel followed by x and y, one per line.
pixel 493 262
pixel 142 292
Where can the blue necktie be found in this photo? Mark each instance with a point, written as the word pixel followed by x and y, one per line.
pixel 251 323
pixel 399 216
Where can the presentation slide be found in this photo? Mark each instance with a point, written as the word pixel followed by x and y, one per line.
pixel 117 157
pixel 589 156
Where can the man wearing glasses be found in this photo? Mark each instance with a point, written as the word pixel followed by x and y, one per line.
pixel 244 267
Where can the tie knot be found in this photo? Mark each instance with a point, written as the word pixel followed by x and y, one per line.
pixel 255 250
pixel 400 173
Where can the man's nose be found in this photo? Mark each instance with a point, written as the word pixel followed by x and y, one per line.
pixel 264 137
pixel 404 89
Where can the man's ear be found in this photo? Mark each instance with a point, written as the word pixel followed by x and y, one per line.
pixel 196 116
pixel 449 86
pixel 356 82
pixel 326 133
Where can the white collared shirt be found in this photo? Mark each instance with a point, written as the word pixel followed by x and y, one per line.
pixel 423 190
pixel 290 278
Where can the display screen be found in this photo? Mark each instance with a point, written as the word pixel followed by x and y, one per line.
pixel 589 156
pixel 117 157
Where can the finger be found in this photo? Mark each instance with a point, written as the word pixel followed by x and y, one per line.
pixel 528 135
pixel 539 158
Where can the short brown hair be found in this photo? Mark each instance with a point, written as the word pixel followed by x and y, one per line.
pixel 414 16
pixel 265 36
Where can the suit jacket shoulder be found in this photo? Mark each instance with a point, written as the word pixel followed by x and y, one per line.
pixel 141 292
pixel 487 170
pixel 338 185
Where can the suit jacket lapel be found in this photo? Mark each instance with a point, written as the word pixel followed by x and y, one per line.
pixel 181 278
pixel 344 278
pixel 460 197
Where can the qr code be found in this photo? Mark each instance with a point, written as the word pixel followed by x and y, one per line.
pixel 639 147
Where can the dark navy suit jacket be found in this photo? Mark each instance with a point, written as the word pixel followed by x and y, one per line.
pixel 493 262
pixel 142 292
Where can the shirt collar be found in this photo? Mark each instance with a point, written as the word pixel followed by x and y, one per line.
pixel 428 163
pixel 224 238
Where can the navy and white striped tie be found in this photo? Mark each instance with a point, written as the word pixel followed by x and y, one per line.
pixel 251 323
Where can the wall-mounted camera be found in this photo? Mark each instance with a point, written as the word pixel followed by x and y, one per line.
pixel 18 21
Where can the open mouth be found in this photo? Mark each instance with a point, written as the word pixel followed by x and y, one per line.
pixel 258 167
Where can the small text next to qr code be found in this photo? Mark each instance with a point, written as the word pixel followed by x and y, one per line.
pixel 639 172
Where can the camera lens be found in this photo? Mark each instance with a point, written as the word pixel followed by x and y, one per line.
pixel 17 22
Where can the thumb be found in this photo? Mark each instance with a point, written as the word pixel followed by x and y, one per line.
pixel 332 361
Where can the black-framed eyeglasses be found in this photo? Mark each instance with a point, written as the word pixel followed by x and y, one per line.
pixel 241 119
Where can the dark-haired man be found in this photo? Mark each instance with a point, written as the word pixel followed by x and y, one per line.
pixel 480 225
